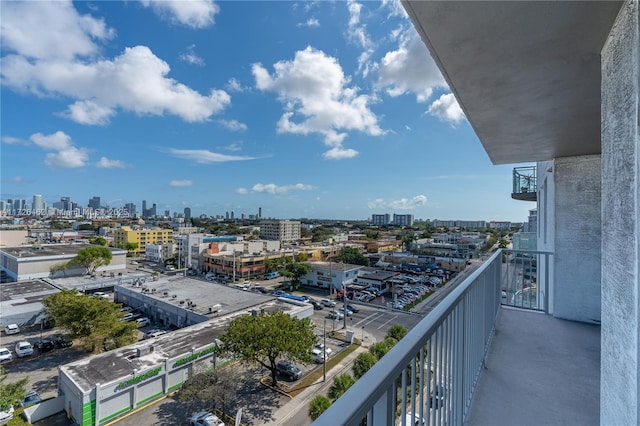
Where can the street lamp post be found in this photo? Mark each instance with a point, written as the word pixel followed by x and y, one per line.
pixel 324 351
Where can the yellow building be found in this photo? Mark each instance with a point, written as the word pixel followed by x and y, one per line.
pixel 142 237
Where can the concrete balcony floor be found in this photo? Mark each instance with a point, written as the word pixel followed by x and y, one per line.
pixel 540 370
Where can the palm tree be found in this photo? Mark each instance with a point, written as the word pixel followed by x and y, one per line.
pixel 340 385
pixel 318 405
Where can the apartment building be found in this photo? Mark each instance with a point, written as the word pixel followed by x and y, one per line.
pixel 142 237
pixel 281 230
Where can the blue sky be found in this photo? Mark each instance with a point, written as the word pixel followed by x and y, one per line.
pixel 306 109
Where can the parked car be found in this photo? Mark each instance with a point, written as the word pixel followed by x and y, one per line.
pixel 344 312
pixel 288 370
pixel 44 345
pixel 30 398
pixel 6 413
pixel 5 355
pixel 321 346
pixel 100 295
pixel 328 303
pixel 204 418
pixel 143 322
pixel 23 348
pixel 318 356
pixel 154 333
pixel 62 341
pixel 11 329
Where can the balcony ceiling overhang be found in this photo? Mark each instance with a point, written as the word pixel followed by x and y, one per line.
pixel 526 73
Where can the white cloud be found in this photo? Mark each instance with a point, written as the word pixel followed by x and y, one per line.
pixel 233 125
pixel 311 23
pixel 191 57
pixel 234 86
pixel 446 108
pixel 400 204
pixel 316 97
pixel 180 183
pixel 203 156
pixel 67 156
pixel 192 13
pixel 357 31
pixel 395 8
pixel 410 69
pixel 235 146
pixel 106 163
pixel 339 154
pixel 136 81
pixel 10 140
pixel 50 30
pixel 272 188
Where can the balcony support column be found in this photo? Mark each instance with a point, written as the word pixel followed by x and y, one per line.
pixel 620 109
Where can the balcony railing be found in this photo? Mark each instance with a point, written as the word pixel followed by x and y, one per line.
pixel 430 375
pixel 524 184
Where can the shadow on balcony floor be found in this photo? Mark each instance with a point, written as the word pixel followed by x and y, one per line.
pixel 540 370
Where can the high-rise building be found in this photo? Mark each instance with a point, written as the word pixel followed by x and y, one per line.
pixel 187 212
pixel 259 212
pixel 145 213
pixel 130 209
pixel 38 205
pixel 94 202
pixel 403 219
pixel 380 219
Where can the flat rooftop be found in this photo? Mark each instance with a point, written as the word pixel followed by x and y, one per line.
pixel 112 366
pixel 43 250
pixel 336 266
pixel 202 293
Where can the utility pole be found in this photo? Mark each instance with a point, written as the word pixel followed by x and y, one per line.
pixel 324 351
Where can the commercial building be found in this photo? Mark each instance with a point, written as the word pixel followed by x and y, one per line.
pixel 15 308
pixel 402 219
pixel 36 261
pixel 141 237
pixel 281 230
pixel 103 387
pixel 330 276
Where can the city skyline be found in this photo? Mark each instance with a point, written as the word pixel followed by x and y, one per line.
pixel 303 109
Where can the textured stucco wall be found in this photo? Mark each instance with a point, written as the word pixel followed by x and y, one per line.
pixel 576 291
pixel 620 331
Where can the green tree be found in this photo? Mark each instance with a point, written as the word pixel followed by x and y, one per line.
pixel 11 393
pixel 353 256
pixel 295 271
pixel 266 337
pixel 503 243
pixel 58 267
pixel 340 385
pixel 99 241
pixel 363 363
pixel 318 405
pixel 212 389
pixel 130 247
pixel 380 349
pixel 407 240
pixel 396 332
pixel 93 257
pixel 94 320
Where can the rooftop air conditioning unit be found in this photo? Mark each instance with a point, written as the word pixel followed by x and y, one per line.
pixel 165 293
pixel 174 296
pixel 181 302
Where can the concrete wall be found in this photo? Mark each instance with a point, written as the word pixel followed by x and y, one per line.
pixel 620 349
pixel 576 292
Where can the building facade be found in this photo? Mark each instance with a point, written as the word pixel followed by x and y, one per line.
pixel 281 230
pixel 141 237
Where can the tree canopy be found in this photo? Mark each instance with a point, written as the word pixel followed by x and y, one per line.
pixel 267 337
pixel 363 363
pixel 340 385
pixel 212 389
pixel 353 256
pixel 93 257
pixel 396 332
pixel 96 321
pixel 11 393
pixel 318 405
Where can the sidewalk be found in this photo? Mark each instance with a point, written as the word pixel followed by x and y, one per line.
pixel 301 402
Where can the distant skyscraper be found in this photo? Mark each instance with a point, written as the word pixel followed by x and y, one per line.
pixel 187 212
pixel 167 213
pixel 38 205
pixel 259 212
pixel 232 214
pixel 145 213
pixel 226 214
pixel 153 210
pixel 130 209
pixel 94 203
